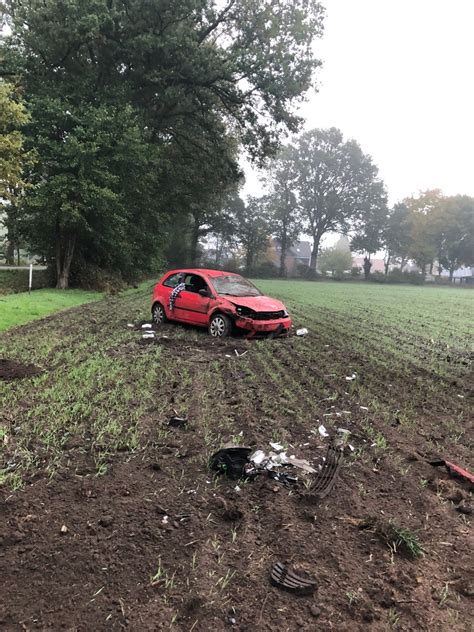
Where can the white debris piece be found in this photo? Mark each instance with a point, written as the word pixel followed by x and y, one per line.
pixel 363 408
pixel 322 431
pixel 302 464
pixel 343 431
pixel 257 457
pixel 130 325
pixel 351 447
pixel 237 488
pixel 350 378
pixel 147 326
pixel 301 332
pixel 165 520
pixel 277 446
pixel 148 335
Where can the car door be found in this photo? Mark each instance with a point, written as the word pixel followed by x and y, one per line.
pixel 191 306
pixel 168 285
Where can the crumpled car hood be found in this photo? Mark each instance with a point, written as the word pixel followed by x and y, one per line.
pixel 257 303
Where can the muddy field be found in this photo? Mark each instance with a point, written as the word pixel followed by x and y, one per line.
pixel 110 517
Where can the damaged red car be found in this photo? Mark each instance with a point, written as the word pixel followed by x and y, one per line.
pixel 223 302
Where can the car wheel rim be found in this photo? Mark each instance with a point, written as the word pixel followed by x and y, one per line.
pixel 217 327
pixel 157 314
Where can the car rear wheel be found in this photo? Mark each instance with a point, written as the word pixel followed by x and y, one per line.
pixel 220 326
pixel 158 314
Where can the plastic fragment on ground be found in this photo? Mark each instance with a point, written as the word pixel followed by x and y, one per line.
pixel 277 446
pixel 146 326
pixel 322 431
pixel 302 464
pixel 301 332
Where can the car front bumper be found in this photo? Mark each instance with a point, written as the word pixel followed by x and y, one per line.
pixel 264 326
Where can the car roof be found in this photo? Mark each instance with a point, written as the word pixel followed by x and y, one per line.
pixel 206 271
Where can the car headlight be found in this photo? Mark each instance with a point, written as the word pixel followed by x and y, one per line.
pixel 244 311
pixel 285 314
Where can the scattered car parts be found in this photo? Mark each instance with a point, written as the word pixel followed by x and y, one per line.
pixel 453 470
pixel 282 577
pixel 325 481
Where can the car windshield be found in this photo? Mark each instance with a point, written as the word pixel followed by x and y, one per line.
pixel 235 285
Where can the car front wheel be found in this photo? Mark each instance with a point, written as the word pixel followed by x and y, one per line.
pixel 220 326
pixel 158 314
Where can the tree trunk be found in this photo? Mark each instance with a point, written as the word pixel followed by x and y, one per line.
pixel 451 274
pixel 194 241
pixel 10 254
pixel 314 253
pixel 386 264
pixel 65 246
pixel 284 248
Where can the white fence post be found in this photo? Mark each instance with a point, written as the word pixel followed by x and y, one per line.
pixel 30 281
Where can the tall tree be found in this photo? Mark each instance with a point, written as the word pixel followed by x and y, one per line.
pixel 13 160
pixel 337 184
pixel 396 236
pixel 454 233
pixel 186 69
pixel 423 208
pixel 284 214
pixel 253 229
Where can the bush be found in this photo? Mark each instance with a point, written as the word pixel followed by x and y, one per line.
pixel 397 276
pixel 305 272
pixel 13 281
pixel 355 271
pixel 90 277
pixel 266 270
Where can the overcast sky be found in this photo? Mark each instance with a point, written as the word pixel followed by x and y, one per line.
pixel 398 77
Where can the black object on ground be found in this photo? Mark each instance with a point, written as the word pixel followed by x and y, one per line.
pixel 230 461
pixel 324 482
pixel 284 578
pixel 178 422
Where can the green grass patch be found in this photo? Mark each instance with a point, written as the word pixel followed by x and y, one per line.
pixel 18 309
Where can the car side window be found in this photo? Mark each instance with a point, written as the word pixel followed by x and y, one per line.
pixel 172 280
pixel 194 283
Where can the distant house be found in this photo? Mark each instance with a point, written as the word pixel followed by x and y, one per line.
pixel 299 254
pixel 461 275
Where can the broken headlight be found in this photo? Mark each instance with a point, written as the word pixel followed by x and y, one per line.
pixel 284 314
pixel 244 311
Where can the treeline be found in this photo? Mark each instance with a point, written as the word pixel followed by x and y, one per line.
pixel 322 183
pixel 122 121
pixel 121 127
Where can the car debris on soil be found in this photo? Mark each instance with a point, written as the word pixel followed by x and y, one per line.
pixel 302 332
pixel 238 462
pixel 325 481
pixel 453 470
pixel 178 422
pixel 284 578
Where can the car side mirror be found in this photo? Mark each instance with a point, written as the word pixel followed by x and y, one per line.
pixel 204 292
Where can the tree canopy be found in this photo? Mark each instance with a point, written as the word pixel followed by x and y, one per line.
pixel 138 108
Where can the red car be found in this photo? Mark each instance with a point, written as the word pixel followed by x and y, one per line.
pixel 220 301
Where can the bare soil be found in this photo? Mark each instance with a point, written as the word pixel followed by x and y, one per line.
pixel 157 543
pixel 11 370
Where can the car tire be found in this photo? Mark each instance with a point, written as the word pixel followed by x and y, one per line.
pixel 158 314
pixel 220 326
